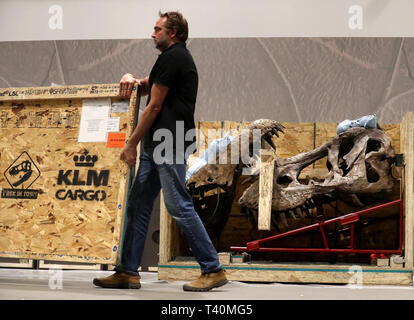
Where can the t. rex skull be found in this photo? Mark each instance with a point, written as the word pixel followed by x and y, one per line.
pixel 213 186
pixel 222 174
pixel 358 161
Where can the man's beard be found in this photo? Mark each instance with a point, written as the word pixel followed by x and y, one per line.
pixel 161 44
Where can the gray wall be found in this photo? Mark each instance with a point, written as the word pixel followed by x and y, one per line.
pixel 286 79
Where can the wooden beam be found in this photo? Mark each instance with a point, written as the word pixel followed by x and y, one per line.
pixel 296 273
pixel 265 189
pixel 165 233
pixel 407 148
pixel 60 92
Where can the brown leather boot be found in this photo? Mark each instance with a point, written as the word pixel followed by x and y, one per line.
pixel 207 282
pixel 119 280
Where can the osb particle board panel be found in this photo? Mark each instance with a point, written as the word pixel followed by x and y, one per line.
pixel 60 199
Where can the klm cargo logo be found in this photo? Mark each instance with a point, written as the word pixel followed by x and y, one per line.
pixel 82 177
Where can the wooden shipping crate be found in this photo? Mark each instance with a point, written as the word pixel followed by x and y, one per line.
pixel 177 263
pixel 63 187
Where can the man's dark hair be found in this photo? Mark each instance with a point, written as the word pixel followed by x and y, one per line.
pixel 176 21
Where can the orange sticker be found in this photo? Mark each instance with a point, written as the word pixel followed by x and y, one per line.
pixel 116 140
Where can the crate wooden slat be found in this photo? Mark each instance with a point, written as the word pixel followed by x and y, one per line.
pixel 296 273
pixel 407 148
pixel 41 126
pixel 45 264
pixel 16 263
pixel 265 190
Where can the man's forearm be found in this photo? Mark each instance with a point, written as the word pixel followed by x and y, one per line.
pixel 151 111
pixel 144 124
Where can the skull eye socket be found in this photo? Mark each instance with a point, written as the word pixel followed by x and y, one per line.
pixel 345 147
pixel 373 145
pixel 284 181
pixel 371 173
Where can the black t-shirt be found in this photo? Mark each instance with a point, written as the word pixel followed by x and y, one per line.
pixel 175 68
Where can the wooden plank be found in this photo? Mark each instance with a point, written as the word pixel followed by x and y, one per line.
pixel 60 92
pixel 68 266
pixel 407 148
pixel 393 132
pixel 129 173
pixel 294 273
pixel 165 233
pixel 298 138
pixel 265 189
pixel 234 127
pixel 16 263
pixel 77 211
pixel 171 237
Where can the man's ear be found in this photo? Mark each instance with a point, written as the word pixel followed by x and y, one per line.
pixel 172 33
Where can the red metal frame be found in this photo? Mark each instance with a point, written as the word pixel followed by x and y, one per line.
pixel 351 219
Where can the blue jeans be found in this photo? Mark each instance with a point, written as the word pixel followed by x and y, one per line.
pixel 151 177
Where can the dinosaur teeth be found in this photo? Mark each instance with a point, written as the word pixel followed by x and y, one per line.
pixel 292 214
pixel 299 212
pixel 279 127
pixel 250 214
pixel 254 214
pixel 268 139
pixel 307 213
pixel 282 217
pixel 312 203
pixel 275 132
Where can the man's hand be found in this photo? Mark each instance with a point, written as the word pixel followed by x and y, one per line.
pixel 129 155
pixel 126 84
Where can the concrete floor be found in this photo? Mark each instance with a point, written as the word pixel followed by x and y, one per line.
pixel 21 284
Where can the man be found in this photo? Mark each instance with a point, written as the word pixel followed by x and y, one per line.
pixel 172 90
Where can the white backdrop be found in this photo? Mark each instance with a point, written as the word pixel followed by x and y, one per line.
pixel 22 20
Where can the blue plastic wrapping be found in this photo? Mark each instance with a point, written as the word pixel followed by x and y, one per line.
pixel 369 121
pixel 211 153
